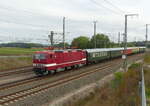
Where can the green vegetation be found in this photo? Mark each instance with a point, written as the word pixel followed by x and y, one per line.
pixel 124 92
pixel 21 45
pixel 83 42
pixel 117 80
pixel 148 92
pixel 147 78
pixel 147 83
pixel 17 51
pixel 11 63
pixel 102 41
pixel 147 58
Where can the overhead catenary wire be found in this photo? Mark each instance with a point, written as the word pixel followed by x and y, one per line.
pixel 107 8
pixel 26 24
pixel 30 13
pixel 114 6
pixel 10 8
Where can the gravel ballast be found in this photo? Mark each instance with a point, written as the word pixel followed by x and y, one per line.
pixel 62 90
pixel 48 97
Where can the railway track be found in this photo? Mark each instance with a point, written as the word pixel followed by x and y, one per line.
pixel 16 96
pixel 36 79
pixel 17 71
pixel 17 83
pixel 11 98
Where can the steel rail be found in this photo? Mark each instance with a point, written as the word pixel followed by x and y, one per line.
pixel 13 69
pixel 45 86
pixel 14 72
pixel 42 87
pixel 35 79
pixel 32 79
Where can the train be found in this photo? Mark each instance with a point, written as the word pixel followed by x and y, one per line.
pixel 50 61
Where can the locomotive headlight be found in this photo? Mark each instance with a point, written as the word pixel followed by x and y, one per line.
pixel 38 65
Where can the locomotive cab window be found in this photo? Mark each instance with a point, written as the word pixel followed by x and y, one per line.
pixel 39 56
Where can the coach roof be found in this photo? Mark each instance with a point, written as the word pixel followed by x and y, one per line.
pixel 103 50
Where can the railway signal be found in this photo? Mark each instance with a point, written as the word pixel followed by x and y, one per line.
pixel 64 19
pixel 119 38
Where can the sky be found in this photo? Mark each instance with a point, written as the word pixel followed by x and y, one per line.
pixel 32 20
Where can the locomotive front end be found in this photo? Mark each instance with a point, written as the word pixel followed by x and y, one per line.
pixel 40 60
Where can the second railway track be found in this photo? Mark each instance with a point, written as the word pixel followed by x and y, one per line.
pixel 36 79
pixel 11 98
pixel 17 71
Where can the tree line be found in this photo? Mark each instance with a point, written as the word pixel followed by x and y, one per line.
pixel 21 45
pixel 81 42
pixel 102 41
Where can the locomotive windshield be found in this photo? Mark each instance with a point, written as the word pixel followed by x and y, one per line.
pixel 40 56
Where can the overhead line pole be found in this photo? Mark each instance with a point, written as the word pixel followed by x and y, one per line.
pixel 146 37
pixel 95 34
pixel 119 38
pixel 51 36
pixel 64 32
pixel 125 40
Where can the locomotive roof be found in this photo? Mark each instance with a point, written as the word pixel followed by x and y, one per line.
pixel 53 51
pixel 68 50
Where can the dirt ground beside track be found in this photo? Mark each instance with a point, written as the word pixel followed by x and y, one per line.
pixel 11 63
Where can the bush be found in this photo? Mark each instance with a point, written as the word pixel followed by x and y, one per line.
pixel 147 58
pixel 117 80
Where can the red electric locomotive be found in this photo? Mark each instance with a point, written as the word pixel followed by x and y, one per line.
pixel 45 62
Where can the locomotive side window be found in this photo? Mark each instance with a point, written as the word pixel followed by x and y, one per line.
pixel 39 56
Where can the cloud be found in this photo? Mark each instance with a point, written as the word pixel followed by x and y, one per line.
pixel 27 18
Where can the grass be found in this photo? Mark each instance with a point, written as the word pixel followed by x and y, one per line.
pixel 117 80
pixel 18 51
pixel 11 63
pixel 122 91
pixel 147 58
pixel 147 78
pixel 147 84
